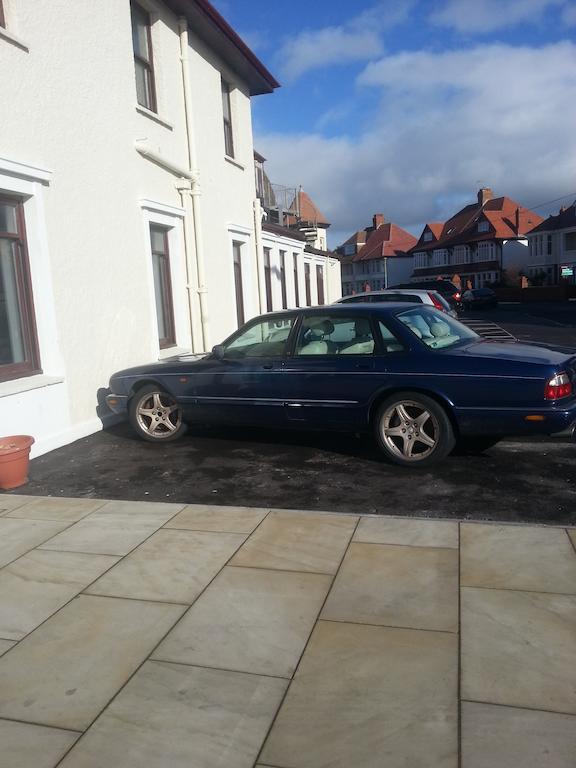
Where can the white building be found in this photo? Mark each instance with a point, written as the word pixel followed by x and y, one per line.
pixel 130 229
pixel 552 247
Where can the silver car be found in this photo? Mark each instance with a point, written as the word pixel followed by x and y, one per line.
pixel 433 298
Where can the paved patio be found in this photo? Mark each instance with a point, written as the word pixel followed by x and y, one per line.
pixel 171 636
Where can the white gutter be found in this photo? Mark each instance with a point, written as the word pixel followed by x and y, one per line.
pixel 259 255
pixel 144 148
pixel 194 190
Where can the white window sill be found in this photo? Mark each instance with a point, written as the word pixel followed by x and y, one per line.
pixel 14 39
pixel 16 386
pixel 153 116
pixel 172 352
pixel 234 162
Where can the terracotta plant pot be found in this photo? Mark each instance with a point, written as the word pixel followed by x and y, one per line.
pixel 14 460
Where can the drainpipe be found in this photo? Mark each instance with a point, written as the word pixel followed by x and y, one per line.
pixel 193 191
pixel 259 254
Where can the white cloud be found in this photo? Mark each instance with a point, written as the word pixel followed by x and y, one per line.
pixel 483 16
pixel 447 123
pixel 358 39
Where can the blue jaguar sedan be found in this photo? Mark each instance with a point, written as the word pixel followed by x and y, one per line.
pixel 418 379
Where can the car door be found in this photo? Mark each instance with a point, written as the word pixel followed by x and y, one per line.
pixel 329 373
pixel 244 382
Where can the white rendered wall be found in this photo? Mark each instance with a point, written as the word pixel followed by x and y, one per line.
pixel 73 110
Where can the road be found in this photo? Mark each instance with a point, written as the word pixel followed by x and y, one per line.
pixel 518 480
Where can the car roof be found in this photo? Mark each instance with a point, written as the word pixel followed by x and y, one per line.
pixel 362 307
pixel 386 292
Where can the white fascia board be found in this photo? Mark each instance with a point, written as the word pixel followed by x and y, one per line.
pixel 169 210
pixel 25 171
pixel 239 229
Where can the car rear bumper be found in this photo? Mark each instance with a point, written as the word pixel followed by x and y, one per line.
pixel 517 421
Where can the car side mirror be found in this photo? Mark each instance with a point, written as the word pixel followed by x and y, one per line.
pixel 218 351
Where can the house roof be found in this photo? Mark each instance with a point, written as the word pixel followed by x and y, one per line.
pixel 506 218
pixel 310 249
pixel 388 240
pixel 564 219
pixel 309 211
pixel 205 21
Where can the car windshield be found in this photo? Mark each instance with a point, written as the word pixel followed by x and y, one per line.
pixel 436 329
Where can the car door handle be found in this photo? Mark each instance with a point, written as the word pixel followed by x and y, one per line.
pixel 268 366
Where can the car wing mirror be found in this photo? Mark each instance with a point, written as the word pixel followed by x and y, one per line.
pixel 218 351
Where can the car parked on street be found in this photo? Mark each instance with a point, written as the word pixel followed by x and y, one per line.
pixel 433 298
pixel 418 379
pixel 444 287
pixel 479 298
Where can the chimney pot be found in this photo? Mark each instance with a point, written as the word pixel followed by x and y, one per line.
pixel 378 220
pixel 484 195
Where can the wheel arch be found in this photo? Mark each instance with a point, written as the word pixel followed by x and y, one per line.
pixel 141 383
pixel 439 398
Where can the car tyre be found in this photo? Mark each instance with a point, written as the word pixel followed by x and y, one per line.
pixel 413 430
pixel 476 443
pixel 155 415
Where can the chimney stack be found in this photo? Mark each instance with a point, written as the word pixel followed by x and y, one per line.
pixel 378 220
pixel 484 195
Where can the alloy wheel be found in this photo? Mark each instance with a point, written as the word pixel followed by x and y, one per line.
pixel 409 430
pixel 158 415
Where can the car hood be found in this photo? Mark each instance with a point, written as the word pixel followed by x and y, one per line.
pixel 516 352
pixel 162 366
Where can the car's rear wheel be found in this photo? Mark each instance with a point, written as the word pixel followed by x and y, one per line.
pixel 476 443
pixel 413 430
pixel 155 415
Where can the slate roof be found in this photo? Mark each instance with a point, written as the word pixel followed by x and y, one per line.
pixel 564 219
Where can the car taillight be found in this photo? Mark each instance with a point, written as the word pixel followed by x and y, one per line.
pixel 558 387
pixel 435 301
pixel 457 297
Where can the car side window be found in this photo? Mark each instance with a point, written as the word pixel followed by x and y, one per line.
pixel 267 338
pixel 390 342
pixel 335 335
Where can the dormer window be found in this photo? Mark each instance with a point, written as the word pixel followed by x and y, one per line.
pixel 483 226
pixel 427 236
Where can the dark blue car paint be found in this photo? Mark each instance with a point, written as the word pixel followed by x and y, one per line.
pixel 487 387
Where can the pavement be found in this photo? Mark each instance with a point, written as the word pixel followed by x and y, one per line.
pixel 170 635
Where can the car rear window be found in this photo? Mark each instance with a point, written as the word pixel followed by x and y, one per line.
pixel 436 329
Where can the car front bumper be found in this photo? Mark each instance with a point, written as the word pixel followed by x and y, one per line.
pixel 117 403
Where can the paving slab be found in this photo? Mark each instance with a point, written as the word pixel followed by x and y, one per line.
pixel 172 566
pixel 5 645
pixel 518 649
pixel 202 517
pixel 20 536
pixel 370 696
pixel 9 502
pixel 413 533
pixel 249 620
pixel 56 508
pixel 396 586
pixel 298 542
pixel 36 585
pixel 65 672
pixel 506 737
pixel 514 557
pixel 181 716
pixel 33 746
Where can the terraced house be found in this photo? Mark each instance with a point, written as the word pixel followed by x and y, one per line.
pixel 478 244
pixel 130 227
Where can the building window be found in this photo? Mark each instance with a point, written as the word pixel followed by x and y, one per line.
pixel 349 249
pixel 307 284
pixel 268 279
pixel 2 18
pixel 420 260
pixel 162 286
pixel 440 258
pixel 483 226
pixel 320 283
pixel 549 245
pixel 237 256
pixel 18 343
pixel 283 279
pixel 143 64
pixel 227 112
pixel 296 287
pixel 427 237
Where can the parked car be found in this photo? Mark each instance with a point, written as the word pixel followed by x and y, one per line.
pixel 444 287
pixel 433 298
pixel 479 298
pixel 415 377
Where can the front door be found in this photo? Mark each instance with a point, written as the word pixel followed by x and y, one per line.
pixel 245 385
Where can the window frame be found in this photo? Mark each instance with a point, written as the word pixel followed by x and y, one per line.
pixel 320 285
pixel 238 282
pixel 267 254
pixel 308 283
pixel 147 64
pixel 296 272
pixel 167 297
pixel 283 279
pixel 31 365
pixel 226 88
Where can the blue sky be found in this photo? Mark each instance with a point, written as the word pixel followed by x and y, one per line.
pixel 406 107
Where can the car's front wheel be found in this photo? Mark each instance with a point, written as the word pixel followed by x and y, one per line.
pixel 413 430
pixel 155 415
